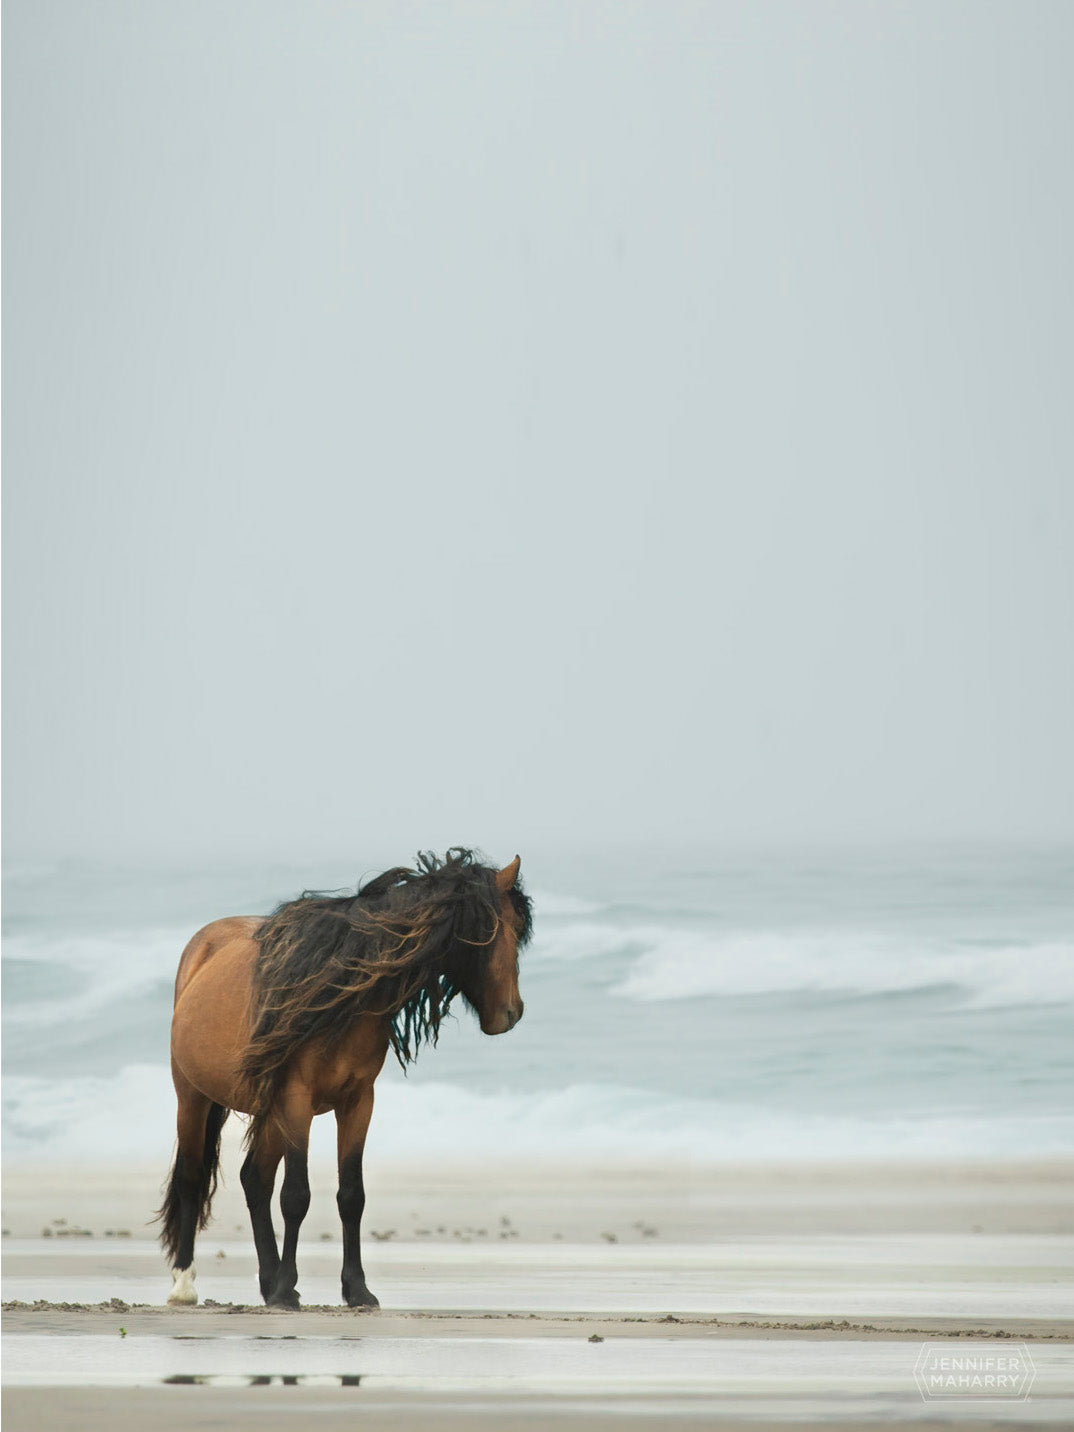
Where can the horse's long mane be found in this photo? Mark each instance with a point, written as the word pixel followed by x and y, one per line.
pixel 402 948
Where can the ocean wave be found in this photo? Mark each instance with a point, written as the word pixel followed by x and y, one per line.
pixel 156 948
pixel 554 906
pixel 86 976
pixel 53 981
pixel 582 940
pixel 677 964
pixel 131 1117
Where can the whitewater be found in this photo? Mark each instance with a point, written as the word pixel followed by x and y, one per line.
pixel 715 1006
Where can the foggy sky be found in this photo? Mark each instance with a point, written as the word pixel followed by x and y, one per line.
pixel 514 423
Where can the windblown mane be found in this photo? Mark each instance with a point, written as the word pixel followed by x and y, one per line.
pixel 401 948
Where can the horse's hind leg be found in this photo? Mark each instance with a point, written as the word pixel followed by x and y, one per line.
pixel 191 1184
pixel 258 1178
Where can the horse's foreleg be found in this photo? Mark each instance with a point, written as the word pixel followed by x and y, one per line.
pixel 258 1178
pixel 351 1127
pixel 294 1204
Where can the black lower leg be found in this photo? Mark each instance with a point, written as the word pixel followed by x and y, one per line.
pixel 257 1187
pixel 188 1185
pixel 351 1204
pixel 294 1203
pixel 181 1214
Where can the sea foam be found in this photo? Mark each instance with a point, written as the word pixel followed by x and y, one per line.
pixel 130 1117
pixel 680 964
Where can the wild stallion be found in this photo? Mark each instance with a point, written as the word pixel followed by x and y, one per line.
pixel 291 1016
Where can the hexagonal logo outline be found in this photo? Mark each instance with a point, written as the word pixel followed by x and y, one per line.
pixel 959 1371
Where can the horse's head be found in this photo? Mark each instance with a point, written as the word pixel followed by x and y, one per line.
pixel 496 999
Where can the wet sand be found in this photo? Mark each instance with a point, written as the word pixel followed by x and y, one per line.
pixel 518 1296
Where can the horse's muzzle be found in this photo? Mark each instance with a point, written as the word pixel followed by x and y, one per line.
pixel 505 1018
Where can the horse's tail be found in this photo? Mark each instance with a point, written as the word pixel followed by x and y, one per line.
pixel 204 1179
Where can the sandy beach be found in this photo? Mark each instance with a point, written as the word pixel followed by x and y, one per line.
pixel 515 1295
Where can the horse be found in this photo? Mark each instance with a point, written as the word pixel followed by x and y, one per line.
pixel 290 1016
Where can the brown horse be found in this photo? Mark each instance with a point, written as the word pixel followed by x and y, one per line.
pixel 291 1016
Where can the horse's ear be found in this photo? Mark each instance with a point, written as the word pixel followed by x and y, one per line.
pixel 505 878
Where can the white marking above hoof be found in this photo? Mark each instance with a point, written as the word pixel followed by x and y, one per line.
pixel 184 1291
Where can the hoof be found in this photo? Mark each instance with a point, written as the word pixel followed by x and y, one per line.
pixel 361 1298
pixel 289 1300
pixel 183 1293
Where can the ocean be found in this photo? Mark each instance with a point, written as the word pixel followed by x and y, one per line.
pixel 717 1007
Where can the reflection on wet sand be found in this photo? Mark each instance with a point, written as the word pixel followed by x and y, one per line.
pixel 187 1379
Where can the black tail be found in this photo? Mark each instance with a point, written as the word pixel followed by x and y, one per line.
pixel 200 1182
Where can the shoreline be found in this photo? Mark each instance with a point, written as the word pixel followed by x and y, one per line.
pixel 323 1320
pixel 730 1297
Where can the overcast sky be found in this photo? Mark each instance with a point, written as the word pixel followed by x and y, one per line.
pixel 528 422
